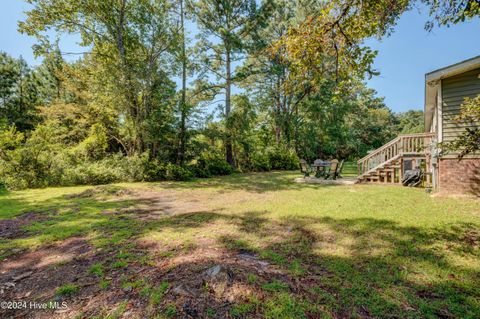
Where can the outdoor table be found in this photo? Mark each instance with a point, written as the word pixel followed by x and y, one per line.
pixel 320 167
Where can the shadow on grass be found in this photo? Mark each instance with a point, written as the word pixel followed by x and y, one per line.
pixel 251 182
pixel 358 267
pixel 387 270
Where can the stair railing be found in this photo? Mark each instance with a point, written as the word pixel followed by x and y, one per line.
pixel 405 144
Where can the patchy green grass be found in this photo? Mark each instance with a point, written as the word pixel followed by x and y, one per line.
pixel 67 290
pixel 343 251
pixel 104 284
pixel 349 169
pixel 97 269
pixel 275 285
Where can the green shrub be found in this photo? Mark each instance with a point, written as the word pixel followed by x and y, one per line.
pixel 29 163
pixel 282 159
pixel 92 173
pixel 177 173
pixel 95 145
pixel 133 168
pixel 155 170
pixel 259 163
pixel 211 165
pixel 201 172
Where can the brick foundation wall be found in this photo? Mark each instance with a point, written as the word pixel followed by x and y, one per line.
pixel 459 177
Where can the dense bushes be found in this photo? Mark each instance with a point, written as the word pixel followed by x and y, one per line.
pixel 282 159
pixel 44 159
pixel 211 164
pixel 272 159
pixel 61 170
pixel 259 162
pixel 29 169
pixel 94 173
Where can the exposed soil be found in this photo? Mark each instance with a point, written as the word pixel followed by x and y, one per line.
pixel 12 228
pixel 36 275
pixel 153 204
pixel 102 190
pixel 202 279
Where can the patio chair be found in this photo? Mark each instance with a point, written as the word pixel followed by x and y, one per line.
pixel 333 170
pixel 305 168
pixel 340 169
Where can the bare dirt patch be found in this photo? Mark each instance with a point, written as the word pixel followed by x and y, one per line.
pixel 104 190
pixel 151 205
pixel 34 275
pixel 12 228
pixel 203 280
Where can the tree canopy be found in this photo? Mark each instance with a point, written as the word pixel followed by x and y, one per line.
pixel 287 77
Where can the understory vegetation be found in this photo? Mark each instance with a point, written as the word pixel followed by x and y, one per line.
pixel 277 249
pixel 175 89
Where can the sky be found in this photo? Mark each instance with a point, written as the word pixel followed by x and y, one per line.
pixel 17 44
pixel 410 52
pixel 403 58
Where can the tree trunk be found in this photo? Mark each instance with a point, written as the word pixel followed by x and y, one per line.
pixel 183 106
pixel 134 110
pixel 228 142
pixel 278 131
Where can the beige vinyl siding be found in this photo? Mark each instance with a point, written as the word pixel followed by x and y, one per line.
pixel 454 90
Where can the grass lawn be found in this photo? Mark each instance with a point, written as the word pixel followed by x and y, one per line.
pixel 283 250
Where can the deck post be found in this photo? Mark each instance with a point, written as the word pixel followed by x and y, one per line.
pixel 400 172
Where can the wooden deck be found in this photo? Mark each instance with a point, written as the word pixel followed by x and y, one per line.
pixel 387 163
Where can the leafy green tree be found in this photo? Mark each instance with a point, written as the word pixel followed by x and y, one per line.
pixel 343 123
pixel 330 42
pixel 131 40
pixel 226 27
pixel 18 93
pixel 183 107
pixel 469 141
pixel 243 122
pixel 268 74
pixel 50 77
pixel 371 124
pixel 448 12
pixel 410 122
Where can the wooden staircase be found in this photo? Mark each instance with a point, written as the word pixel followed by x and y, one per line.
pixel 386 164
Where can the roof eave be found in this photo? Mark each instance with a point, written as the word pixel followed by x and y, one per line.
pixel 454 69
pixel 431 84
